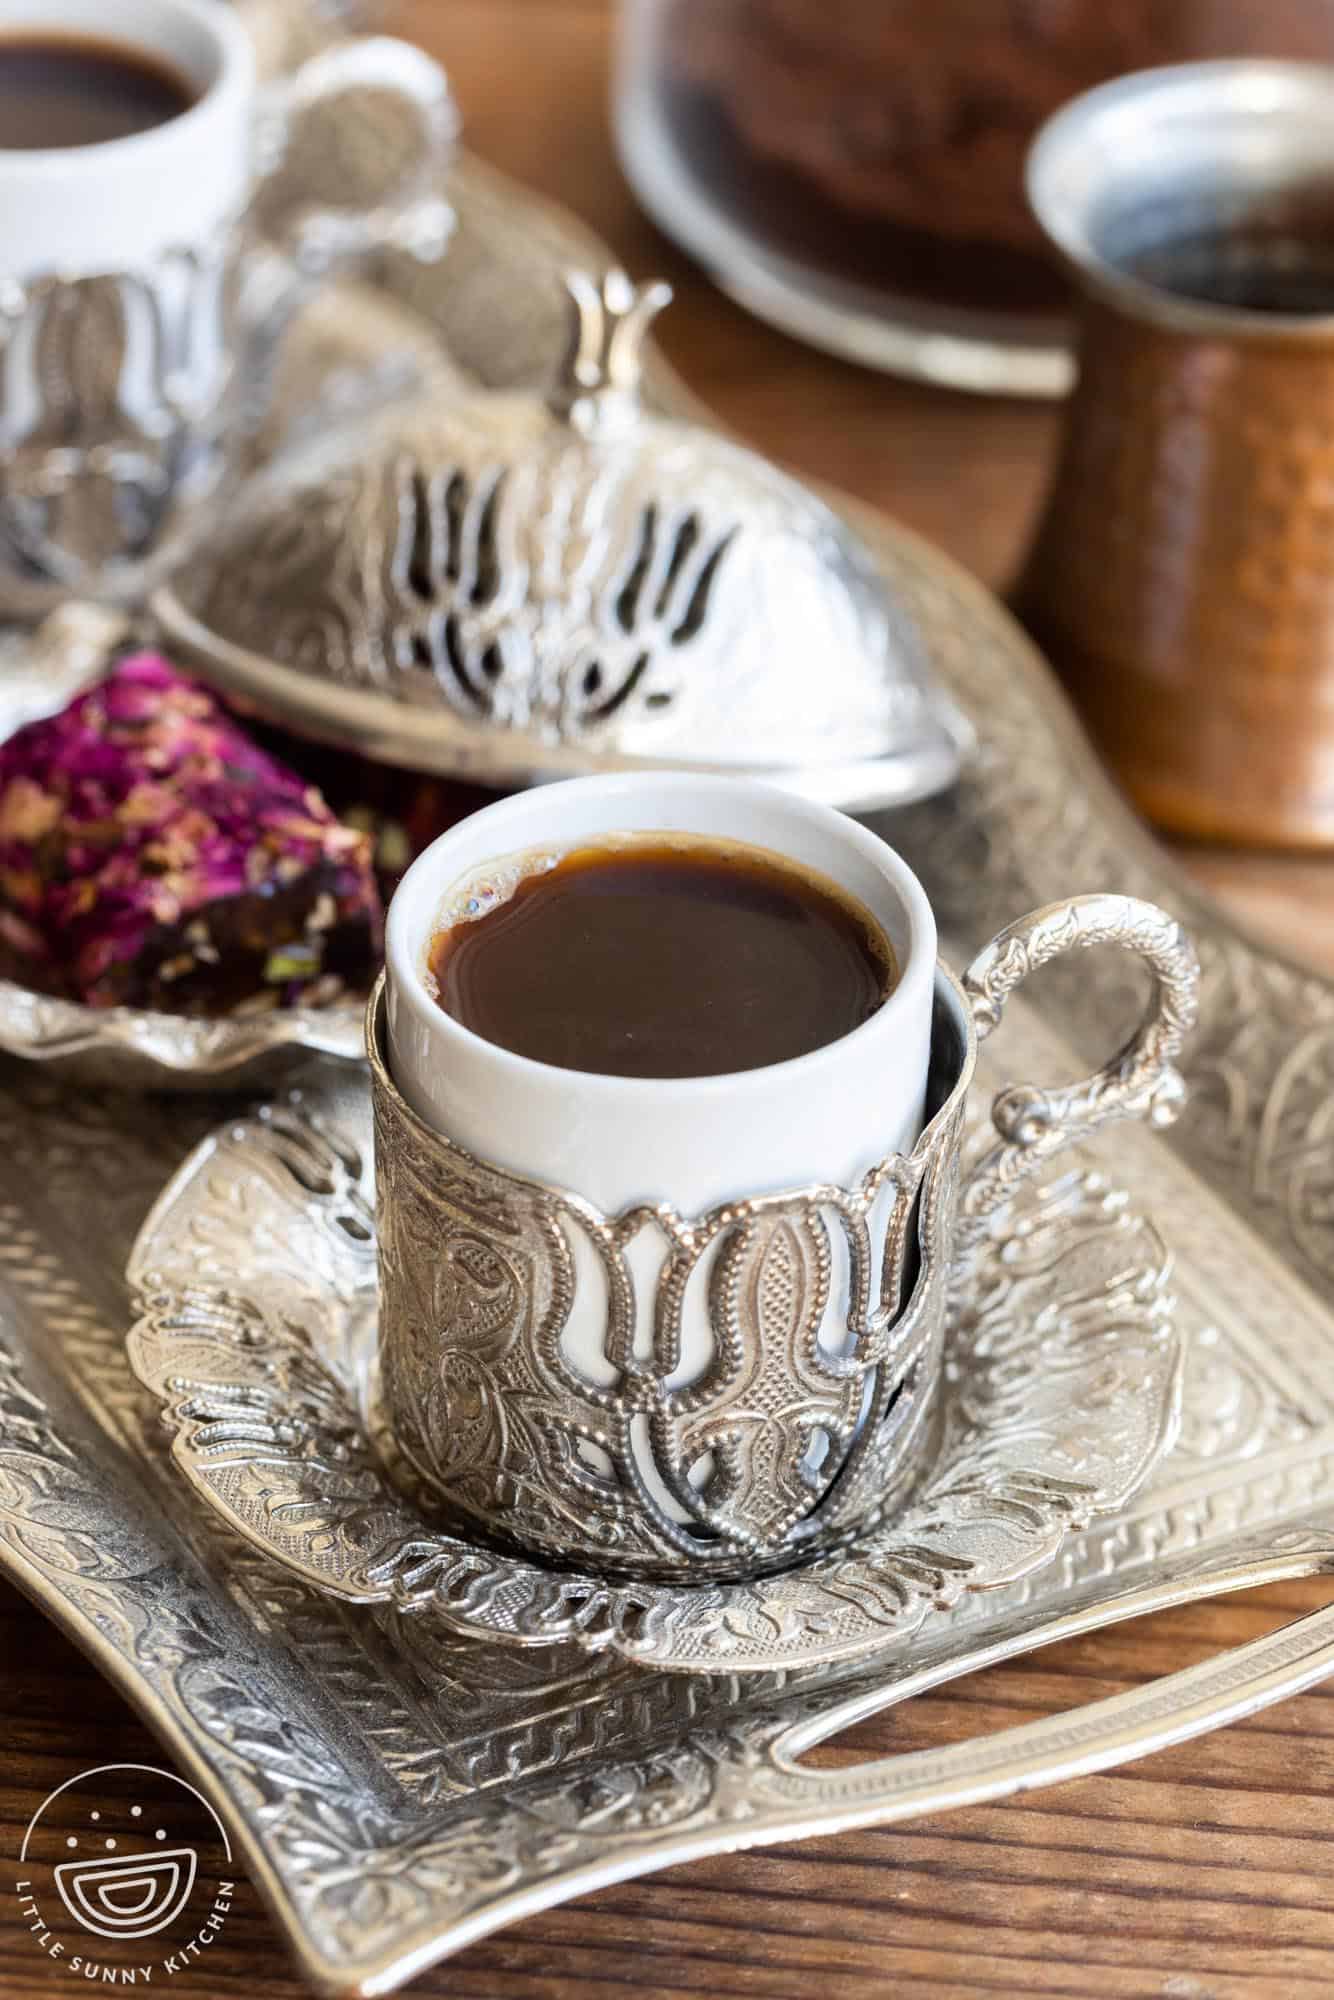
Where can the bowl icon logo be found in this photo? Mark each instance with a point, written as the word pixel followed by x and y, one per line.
pixel 125 1875
pixel 128 1895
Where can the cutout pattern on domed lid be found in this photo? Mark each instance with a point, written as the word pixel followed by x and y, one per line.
pixel 566 582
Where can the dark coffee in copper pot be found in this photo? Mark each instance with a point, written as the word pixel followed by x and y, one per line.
pixel 61 90
pixel 1278 261
pixel 662 955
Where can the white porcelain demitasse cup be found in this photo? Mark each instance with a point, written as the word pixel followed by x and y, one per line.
pixel 693 1141
pixel 139 315
pixel 695 1326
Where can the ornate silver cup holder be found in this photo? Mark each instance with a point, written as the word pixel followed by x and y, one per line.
pixel 1060 1371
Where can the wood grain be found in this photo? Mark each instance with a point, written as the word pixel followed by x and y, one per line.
pixel 1204 1873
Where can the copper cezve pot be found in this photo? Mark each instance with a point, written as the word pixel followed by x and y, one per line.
pixel 1183 573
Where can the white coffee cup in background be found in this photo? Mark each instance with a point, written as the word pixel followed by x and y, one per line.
pixel 77 211
pixel 138 318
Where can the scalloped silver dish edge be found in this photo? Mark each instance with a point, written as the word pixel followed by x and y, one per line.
pixel 124 1045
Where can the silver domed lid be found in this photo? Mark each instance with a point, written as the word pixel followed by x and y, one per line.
pixel 506 585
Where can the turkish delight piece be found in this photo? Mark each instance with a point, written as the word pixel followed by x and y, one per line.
pixel 151 855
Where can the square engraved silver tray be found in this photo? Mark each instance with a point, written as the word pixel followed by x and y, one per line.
pixel 393 1804
pixel 397 1788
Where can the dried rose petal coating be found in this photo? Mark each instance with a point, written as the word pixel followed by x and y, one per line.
pixel 151 855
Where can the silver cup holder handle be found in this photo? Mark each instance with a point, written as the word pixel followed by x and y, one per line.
pixel 399 202
pixel 1141 1081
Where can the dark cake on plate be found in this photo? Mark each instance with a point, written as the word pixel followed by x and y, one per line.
pixel 883 141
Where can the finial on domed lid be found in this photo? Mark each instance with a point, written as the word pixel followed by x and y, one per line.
pixel 521 584
pixel 597 388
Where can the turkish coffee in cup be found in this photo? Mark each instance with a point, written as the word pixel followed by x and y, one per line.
pixel 656 954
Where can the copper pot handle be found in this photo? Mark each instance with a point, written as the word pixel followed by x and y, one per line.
pixel 1141 1080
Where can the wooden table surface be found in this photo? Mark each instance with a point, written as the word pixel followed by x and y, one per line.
pixel 1203 1873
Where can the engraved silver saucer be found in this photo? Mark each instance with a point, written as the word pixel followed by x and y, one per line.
pixel 1062 1390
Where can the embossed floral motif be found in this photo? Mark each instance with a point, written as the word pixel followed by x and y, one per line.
pixel 1231 1411
pixel 510 1434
